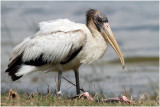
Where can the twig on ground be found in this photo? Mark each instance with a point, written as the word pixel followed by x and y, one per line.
pixel 31 95
pixel 67 89
pixel 125 91
pixel 73 84
pixel 156 100
pixel 142 97
pixel 130 93
pixel 95 91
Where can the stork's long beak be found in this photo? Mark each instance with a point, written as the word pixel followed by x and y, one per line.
pixel 109 37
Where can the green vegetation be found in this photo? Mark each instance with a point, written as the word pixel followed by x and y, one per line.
pixel 23 99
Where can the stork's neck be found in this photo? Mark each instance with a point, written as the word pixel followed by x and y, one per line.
pixel 96 35
pixel 95 45
pixel 93 29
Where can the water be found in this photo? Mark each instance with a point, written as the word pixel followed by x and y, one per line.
pixel 134 24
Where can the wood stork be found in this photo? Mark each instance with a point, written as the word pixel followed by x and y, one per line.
pixel 64 45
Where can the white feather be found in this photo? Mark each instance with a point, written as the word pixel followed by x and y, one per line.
pixel 25 69
pixel 55 40
pixel 54 46
pixel 58 25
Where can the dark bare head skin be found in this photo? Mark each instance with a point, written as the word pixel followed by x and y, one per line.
pixel 96 17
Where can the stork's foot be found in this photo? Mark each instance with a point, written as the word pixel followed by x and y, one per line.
pixel 59 93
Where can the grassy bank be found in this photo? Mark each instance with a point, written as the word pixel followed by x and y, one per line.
pixel 24 99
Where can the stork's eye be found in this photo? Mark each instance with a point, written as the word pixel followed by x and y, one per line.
pixel 99 19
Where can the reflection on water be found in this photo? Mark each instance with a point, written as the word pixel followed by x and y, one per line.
pixel 134 24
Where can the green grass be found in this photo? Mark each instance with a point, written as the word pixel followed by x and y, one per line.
pixel 24 99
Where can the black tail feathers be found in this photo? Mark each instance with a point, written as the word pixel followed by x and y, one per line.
pixel 14 66
pixel 12 71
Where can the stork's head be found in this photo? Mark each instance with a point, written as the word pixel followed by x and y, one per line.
pixel 100 22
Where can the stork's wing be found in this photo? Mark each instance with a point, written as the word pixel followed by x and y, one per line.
pixel 56 42
pixel 17 52
pixel 57 47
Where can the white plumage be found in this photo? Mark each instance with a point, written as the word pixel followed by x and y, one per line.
pixel 25 69
pixel 63 45
pixel 55 40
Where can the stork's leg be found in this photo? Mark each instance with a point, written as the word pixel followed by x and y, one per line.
pixel 77 81
pixel 59 82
